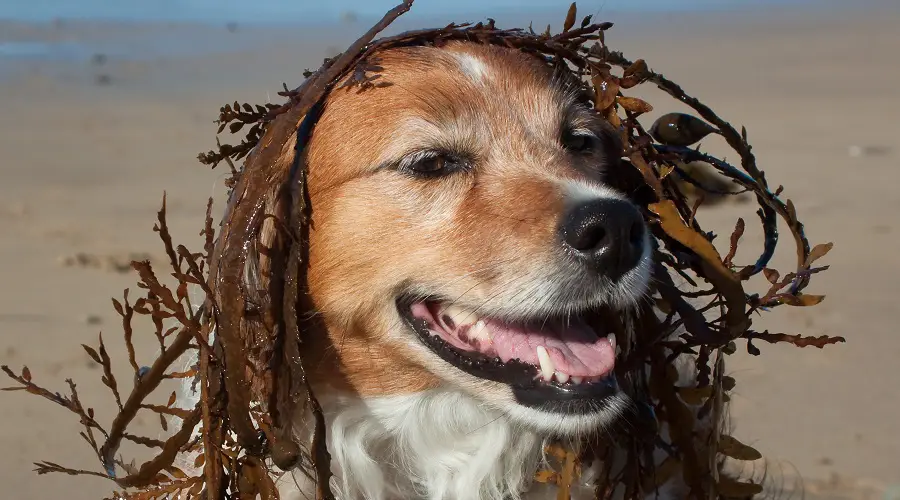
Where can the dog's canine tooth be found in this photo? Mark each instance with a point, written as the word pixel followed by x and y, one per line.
pixel 612 341
pixel 561 377
pixel 547 367
pixel 458 317
pixel 577 380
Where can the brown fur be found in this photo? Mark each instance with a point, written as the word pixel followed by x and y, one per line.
pixel 375 230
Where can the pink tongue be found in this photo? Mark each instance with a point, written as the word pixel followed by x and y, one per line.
pixel 575 349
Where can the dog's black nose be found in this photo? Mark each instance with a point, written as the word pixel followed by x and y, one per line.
pixel 607 234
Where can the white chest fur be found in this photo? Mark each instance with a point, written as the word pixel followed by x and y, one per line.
pixel 436 445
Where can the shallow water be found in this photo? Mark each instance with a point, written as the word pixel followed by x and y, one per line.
pixel 77 31
pixel 263 11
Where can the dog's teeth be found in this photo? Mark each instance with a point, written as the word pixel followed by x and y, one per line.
pixel 457 317
pixel 546 363
pixel 561 377
pixel 612 340
pixel 577 380
pixel 479 331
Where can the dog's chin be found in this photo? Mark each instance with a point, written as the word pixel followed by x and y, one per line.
pixel 589 418
pixel 558 371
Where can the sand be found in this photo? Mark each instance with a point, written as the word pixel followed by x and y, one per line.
pixel 87 157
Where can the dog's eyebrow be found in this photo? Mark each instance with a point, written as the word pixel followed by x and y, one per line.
pixel 578 116
pixel 414 135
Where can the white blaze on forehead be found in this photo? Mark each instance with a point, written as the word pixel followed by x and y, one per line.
pixel 471 66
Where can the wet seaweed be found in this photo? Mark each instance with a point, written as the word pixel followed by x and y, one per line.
pixel 251 274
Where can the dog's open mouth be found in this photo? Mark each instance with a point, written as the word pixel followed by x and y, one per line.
pixel 543 359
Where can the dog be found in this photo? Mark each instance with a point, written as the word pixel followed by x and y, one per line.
pixel 462 236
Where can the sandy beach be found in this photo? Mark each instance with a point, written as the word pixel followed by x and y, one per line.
pixel 90 143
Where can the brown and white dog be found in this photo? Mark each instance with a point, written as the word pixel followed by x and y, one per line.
pixel 462 236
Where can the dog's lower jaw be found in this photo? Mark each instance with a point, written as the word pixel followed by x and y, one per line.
pixel 570 425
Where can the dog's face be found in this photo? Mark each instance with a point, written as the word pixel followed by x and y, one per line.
pixel 462 235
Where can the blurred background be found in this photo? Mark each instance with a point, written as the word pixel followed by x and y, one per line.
pixel 105 104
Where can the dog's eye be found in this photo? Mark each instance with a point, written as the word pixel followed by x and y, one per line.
pixel 578 142
pixel 432 165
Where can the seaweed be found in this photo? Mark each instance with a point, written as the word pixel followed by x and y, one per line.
pixel 247 333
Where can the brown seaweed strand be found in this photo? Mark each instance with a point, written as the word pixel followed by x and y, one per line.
pixel 148 471
pixel 127 313
pixel 681 426
pixel 726 281
pixel 146 385
pixel 226 269
pixel 71 403
pixel 296 275
pixel 285 451
pixel 647 173
pixel 229 315
pixel 162 228
pixel 210 398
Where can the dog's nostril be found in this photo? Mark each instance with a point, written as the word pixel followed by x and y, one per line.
pixel 607 234
pixel 590 238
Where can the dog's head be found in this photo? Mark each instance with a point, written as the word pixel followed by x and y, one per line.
pixel 462 235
